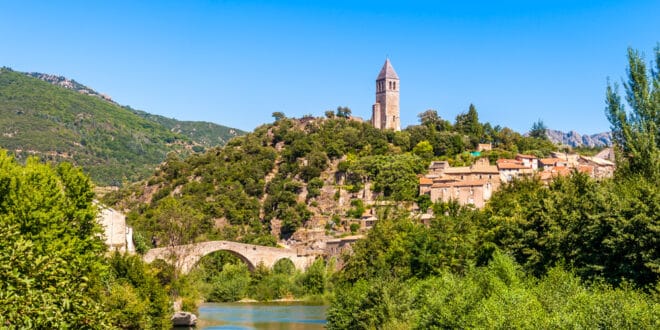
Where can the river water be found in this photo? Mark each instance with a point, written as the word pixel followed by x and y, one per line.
pixel 261 316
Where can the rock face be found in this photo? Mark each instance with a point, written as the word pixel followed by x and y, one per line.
pixel 183 319
pixel 574 139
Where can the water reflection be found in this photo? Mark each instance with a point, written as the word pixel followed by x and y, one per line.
pixel 262 316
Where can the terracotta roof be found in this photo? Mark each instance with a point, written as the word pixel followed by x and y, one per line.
pixel 551 161
pixel 545 175
pixel 588 169
pixel 562 170
pixel 506 160
pixel 484 169
pixel 445 178
pixel 456 170
pixel 425 181
pixel 466 183
pixel 387 71
pixel 510 166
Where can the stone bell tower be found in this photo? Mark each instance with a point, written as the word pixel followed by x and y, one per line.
pixel 386 109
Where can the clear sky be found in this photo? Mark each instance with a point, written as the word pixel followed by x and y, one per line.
pixel 237 62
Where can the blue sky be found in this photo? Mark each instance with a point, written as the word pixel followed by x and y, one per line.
pixel 237 62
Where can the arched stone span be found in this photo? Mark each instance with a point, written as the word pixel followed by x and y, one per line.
pixel 185 257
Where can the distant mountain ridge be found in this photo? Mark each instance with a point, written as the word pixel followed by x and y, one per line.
pixel 58 119
pixel 574 139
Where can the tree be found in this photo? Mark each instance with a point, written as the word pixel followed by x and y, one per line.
pixel 431 119
pixel 636 133
pixel 468 124
pixel 51 251
pixel 344 112
pixel 538 130
pixel 278 115
pixel 424 150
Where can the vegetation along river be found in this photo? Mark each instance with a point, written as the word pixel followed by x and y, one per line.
pixel 243 316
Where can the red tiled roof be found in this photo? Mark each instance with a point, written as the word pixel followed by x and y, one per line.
pixel 588 169
pixel 562 170
pixel 506 160
pixel 510 166
pixel 466 183
pixel 425 181
pixel 551 161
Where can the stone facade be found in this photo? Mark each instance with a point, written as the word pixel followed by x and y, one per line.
pixel 118 237
pixel 385 112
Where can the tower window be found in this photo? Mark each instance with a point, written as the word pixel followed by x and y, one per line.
pixel 394 85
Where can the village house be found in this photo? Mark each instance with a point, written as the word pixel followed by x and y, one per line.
pixel 549 163
pixel 475 192
pixel 466 184
pixel 510 169
pixel 528 161
pixel 602 168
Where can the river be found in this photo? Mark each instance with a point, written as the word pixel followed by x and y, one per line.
pixel 261 316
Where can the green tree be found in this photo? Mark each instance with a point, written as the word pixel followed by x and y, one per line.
pixel 231 284
pixel 344 112
pixel 636 132
pixel 468 123
pixel 424 150
pixel 538 130
pixel 51 253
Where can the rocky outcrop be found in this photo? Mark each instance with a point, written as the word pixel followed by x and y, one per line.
pixel 183 319
pixel 69 84
pixel 574 139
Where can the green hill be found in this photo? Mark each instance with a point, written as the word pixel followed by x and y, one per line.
pixel 112 143
pixel 305 172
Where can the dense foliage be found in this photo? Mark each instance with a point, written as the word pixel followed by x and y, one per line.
pixel 112 143
pixel 54 271
pixel 50 252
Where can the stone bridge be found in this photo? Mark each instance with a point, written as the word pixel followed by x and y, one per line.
pixel 187 256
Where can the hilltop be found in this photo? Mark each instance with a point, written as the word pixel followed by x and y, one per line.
pixel 310 173
pixel 59 119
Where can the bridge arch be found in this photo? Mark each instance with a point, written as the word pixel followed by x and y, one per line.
pixel 185 257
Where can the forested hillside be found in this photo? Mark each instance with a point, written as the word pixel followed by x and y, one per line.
pixel 269 183
pixel 113 144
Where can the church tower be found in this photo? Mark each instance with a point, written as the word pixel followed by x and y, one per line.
pixel 386 109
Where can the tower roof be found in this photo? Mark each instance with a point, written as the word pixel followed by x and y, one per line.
pixel 387 72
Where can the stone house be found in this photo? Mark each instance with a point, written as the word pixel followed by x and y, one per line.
pixel 467 184
pixel 549 163
pixel 475 192
pixel 510 169
pixel 529 161
pixel 602 168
